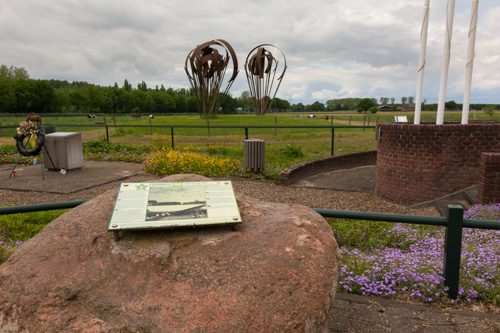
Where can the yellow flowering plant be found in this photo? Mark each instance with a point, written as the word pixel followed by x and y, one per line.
pixel 169 162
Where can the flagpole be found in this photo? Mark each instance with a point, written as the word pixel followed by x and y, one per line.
pixel 421 65
pixel 470 61
pixel 446 61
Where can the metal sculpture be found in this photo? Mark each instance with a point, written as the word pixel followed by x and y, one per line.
pixel 261 68
pixel 206 67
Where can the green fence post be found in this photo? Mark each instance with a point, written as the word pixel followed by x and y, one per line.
pixel 107 134
pixel 333 135
pixel 246 133
pixel 172 135
pixel 453 249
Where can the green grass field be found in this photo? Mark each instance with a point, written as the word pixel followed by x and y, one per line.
pixel 314 142
pixel 301 144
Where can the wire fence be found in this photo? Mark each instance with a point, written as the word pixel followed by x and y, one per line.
pixel 312 141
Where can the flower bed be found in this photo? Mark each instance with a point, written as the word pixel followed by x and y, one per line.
pixel 411 266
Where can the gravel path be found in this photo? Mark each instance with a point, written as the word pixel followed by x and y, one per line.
pixel 263 190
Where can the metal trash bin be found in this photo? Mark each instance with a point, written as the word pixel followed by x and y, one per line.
pixel 46 129
pixel 254 154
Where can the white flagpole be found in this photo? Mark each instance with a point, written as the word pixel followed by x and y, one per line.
pixel 421 64
pixel 470 61
pixel 450 12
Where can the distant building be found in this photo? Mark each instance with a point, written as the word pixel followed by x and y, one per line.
pixel 384 108
pixel 408 107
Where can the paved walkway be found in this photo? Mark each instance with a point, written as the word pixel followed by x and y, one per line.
pixel 29 177
pixel 359 179
pixel 353 313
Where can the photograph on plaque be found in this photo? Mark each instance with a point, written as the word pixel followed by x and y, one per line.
pixel 174 204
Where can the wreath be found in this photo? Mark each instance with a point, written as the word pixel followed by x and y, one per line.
pixel 28 130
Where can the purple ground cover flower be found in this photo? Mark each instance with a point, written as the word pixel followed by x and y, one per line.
pixel 413 269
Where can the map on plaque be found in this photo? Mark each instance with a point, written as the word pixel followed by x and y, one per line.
pixel 174 204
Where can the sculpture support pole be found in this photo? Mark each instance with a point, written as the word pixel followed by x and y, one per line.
pixel 421 65
pixel 446 61
pixel 470 61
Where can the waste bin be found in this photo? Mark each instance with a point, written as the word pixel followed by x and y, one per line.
pixel 254 154
pixel 46 129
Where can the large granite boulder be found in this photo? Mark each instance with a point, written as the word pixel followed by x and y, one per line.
pixel 277 273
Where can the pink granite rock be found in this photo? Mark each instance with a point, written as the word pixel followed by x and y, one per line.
pixel 277 273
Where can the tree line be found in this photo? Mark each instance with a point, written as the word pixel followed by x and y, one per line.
pixel 21 94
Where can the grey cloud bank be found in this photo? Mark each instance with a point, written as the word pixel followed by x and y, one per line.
pixel 334 49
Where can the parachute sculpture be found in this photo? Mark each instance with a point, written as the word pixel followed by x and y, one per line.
pixel 261 68
pixel 206 67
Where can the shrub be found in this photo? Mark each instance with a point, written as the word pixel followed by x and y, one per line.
pixel 169 162
pixel 292 151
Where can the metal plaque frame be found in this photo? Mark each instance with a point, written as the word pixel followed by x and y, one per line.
pixel 141 206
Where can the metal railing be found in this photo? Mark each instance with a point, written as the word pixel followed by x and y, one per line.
pixel 454 224
pixel 317 138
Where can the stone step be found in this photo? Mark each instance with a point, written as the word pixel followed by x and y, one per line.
pixel 464 198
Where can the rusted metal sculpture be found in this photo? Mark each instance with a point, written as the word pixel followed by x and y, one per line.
pixel 206 67
pixel 261 68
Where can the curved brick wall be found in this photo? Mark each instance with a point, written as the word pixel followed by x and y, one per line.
pixel 417 163
pixel 330 163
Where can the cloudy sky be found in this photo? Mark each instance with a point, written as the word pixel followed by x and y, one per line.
pixel 334 49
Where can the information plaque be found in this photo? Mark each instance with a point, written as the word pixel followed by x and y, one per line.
pixel 174 204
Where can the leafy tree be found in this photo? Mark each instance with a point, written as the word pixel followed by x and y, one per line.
pixel 106 104
pixel 490 110
pixel 7 97
pixel 316 106
pixel 123 103
pixel 78 100
pixel 280 104
pixel 127 86
pixel 365 104
pixel 44 96
pixel 342 104
pixel 180 103
pixel 61 101
pixel 94 97
pixel 164 102
pixel 192 105
pixel 13 73
pixel 245 100
pixel 411 99
pixel 142 100
pixel 393 100
pixel 23 90
pixel 142 86
pixel 228 105
pixel 404 100
pixel 450 105
pixel 384 100
pixel 112 97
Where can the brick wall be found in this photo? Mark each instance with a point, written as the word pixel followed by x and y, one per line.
pixel 417 163
pixel 330 163
pixel 488 187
